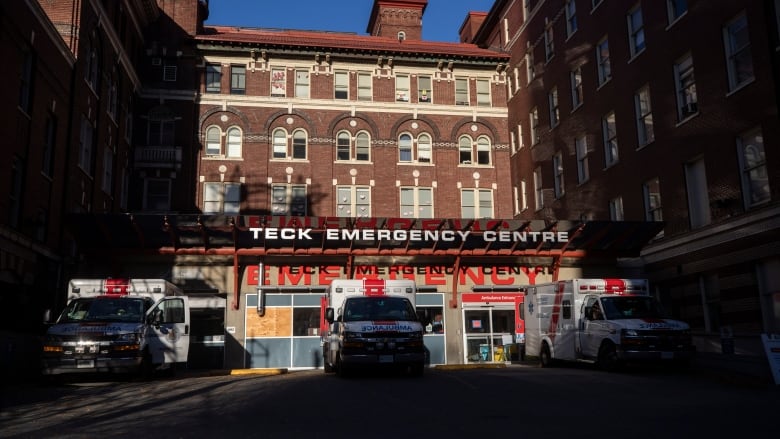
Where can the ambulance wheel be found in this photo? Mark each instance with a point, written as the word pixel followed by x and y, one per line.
pixel 545 359
pixel 608 359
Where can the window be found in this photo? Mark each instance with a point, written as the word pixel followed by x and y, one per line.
pixel 364 86
pixel 558 174
pixel 424 148
pixel 301 83
pixel 108 170
pixel 571 17
pixel 602 60
pixel 170 72
pixel 483 92
pixel 25 80
pixel 402 88
pixel 416 202
pixel 49 145
pixel 233 142
pixel 581 148
pixel 161 129
pixel 534 115
pixel 738 57
pixel 636 31
pixel 461 91
pixel 424 91
pixel 609 133
pixel 530 71
pixel 281 149
pixel 289 199
pixel 86 137
pixel 279 144
pixel 516 73
pixel 521 198
pixel 552 102
pixel 476 203
pixel 616 209
pixel 755 179
pixel 520 141
pixel 465 151
pixel 549 43
pixel 237 80
pixel 222 198
pixel 341 85
pixel 687 103
pixel 538 189
pixel 401 36
pixel 157 195
pixel 360 152
pixel 92 67
pixel 353 201
pixel 644 116
pixel 213 141
pixel 675 9
pixel 406 150
pixel 111 105
pixel 299 141
pixel 652 193
pixel 698 197
pixel 213 78
pixel 483 151
pixel 278 82
pixel 575 78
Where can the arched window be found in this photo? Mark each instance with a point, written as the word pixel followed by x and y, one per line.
pixel 405 148
pixel 401 36
pixel 362 147
pixel 299 144
pixel 233 142
pixel 361 150
pixel 280 144
pixel 424 148
pixel 464 148
pixel 343 146
pixel 483 150
pixel 213 141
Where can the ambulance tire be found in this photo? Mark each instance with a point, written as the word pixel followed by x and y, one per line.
pixel 608 359
pixel 545 359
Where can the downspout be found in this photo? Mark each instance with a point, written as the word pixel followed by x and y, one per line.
pixel 454 299
pixel 236 280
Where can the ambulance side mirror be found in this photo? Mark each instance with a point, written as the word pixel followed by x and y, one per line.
pixel 329 315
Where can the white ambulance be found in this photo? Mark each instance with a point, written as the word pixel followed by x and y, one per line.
pixel 372 323
pixel 603 321
pixel 119 325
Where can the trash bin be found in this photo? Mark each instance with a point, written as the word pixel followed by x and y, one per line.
pixel 726 340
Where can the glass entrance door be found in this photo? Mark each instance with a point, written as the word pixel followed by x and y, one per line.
pixel 486 330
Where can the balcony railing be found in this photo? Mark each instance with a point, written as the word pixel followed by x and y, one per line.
pixel 167 157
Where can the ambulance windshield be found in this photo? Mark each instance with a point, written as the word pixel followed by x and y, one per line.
pixel 378 308
pixel 632 307
pixel 105 310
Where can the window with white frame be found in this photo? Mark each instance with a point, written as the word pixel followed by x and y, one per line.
pixel 581 148
pixel 405 148
pixel 353 201
pixel 301 83
pixel 424 148
pixel 557 163
pixel 237 80
pixel 233 147
pixel 465 150
pixel 755 178
pixel 292 147
pixel 602 61
pixel 652 193
pixel 739 60
pixel 349 148
pixel 552 102
pixel 636 31
pixel 513 141
pixel 341 84
pixel 520 141
pixel 86 138
pixel 219 197
pixel 675 9
pixel 108 170
pixel 424 90
pixel 213 141
pixel 644 116
pixel 575 79
pixel 521 197
pixel 616 209
pixel 402 88
pixel 571 17
pixel 483 150
pixel 471 152
pixel 538 189
pixel 685 83
pixel 157 195
pixel 530 71
pixel 483 92
pixel 549 42
pixel 516 73
pixel 534 115
pixel 699 213
pixel 364 86
pixel 289 199
pixel 609 134
pixel 476 203
pixel 213 78
pixel 416 202
pixel 461 91
pixel 278 82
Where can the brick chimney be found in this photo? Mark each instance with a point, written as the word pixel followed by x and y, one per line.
pixel 400 19
pixel 471 25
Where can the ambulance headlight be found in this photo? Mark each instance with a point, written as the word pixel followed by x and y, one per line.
pixel 130 337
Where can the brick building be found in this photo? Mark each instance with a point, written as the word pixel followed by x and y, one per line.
pixel 656 110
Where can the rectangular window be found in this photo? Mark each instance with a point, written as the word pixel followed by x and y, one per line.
pixel 364 86
pixel 424 91
pixel 301 83
pixel 549 43
pixel 402 88
pixel 575 78
pixel 483 92
pixel 49 145
pixel 157 195
pixel 520 141
pixel 161 133
pixel 558 173
pixel 534 115
pixel 538 189
pixel 616 209
pixel 581 147
pixel 108 170
pixel 652 194
pixel 571 17
pixel 644 116
pixel 213 78
pixel 738 57
pixel 237 80
pixel 602 60
pixel 353 201
pixel 636 31
pixel 86 137
pixel 289 199
pixel 675 9
pixel 609 133
pixel 461 91
pixel 530 71
pixel 416 202
pixel 113 100
pixel 476 203
pixel 278 82
pixel 552 101
pixel 687 103
pixel 698 197
pixel 169 73
pixel 222 198
pixel 755 178
pixel 341 85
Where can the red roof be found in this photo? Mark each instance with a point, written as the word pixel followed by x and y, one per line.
pixel 337 40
